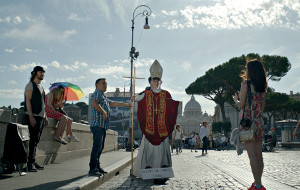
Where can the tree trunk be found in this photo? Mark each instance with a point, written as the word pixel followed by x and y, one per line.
pixel 223 112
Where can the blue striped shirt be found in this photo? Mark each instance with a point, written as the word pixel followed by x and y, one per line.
pixel 97 117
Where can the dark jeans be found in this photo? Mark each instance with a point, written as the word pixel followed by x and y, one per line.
pixel 126 141
pixel 178 144
pixel 99 135
pixel 205 144
pixel 35 136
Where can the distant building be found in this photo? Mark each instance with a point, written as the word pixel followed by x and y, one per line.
pixel 192 117
pixel 231 114
pixel 295 96
pixel 73 112
pixel 118 93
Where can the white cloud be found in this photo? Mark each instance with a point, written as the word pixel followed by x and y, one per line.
pixel 70 79
pixel 88 90
pixel 38 30
pixel 278 50
pixel 156 26
pixel 121 9
pixel 27 19
pixel 12 93
pixel 30 50
pixel 77 65
pixel 74 17
pixel 143 62
pixel 110 37
pixel 26 66
pixel 174 25
pixel 9 50
pixel 110 70
pixel 171 13
pixel 12 82
pixel 186 65
pixel 6 19
pixel 55 64
pixel 17 20
pixel 235 14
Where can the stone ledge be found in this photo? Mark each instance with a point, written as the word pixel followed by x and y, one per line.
pixel 92 182
pixel 289 144
pixel 49 151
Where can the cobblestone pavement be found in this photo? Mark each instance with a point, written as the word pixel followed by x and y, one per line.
pixel 219 170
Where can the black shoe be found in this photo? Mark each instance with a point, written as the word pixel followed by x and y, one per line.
pixel 38 167
pixel 95 172
pixel 160 181
pixel 31 168
pixel 101 170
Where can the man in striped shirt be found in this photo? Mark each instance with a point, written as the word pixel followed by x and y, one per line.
pixel 100 123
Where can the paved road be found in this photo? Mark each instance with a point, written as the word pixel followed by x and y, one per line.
pixel 219 170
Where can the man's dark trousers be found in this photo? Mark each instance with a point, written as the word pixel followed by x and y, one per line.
pixel 99 134
pixel 35 136
pixel 205 144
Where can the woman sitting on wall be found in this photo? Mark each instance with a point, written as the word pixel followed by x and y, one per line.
pixel 54 103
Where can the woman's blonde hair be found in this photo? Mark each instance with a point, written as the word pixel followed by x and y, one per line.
pixel 58 94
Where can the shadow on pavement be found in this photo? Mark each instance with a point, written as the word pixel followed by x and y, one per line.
pixel 52 185
pixel 5 176
pixel 138 182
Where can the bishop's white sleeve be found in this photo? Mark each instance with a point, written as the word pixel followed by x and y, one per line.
pixel 139 97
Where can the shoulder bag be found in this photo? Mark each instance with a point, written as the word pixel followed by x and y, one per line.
pixel 247 126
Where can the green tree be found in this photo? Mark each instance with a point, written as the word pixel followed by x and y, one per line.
pixel 221 127
pixel 84 107
pixel 220 83
pixel 295 109
pixel 275 105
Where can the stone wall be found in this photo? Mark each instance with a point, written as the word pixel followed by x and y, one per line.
pixel 49 151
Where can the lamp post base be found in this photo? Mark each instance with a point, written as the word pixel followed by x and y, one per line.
pixel 128 147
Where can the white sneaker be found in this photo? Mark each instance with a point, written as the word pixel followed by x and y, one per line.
pixel 61 140
pixel 72 138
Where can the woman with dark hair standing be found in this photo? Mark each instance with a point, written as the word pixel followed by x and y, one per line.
pixel 255 74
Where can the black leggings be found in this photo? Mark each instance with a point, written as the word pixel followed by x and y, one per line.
pixel 205 144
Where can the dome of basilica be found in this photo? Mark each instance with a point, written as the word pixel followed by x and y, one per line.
pixel 205 114
pixel 192 108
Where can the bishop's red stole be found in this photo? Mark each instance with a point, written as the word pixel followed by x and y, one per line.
pixel 157 114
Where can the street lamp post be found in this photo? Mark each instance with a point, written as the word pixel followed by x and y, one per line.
pixel 133 54
pixel 123 121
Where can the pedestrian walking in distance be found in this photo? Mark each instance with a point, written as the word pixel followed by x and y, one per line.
pixel 178 136
pixel 204 137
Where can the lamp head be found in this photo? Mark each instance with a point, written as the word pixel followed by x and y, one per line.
pixel 136 54
pixel 146 26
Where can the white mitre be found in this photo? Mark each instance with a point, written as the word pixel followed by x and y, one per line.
pixel 156 70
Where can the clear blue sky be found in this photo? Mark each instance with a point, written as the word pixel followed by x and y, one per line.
pixel 80 41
